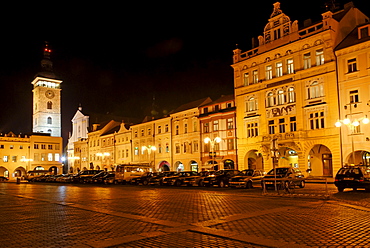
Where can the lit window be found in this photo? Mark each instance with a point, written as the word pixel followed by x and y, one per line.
pixel 307 60
pixel 5 159
pixel 320 57
pixel 252 129
pixel 291 95
pixel 317 120
pixel 268 72
pixel 353 96
pixel 279 69
pixel 251 104
pixel 315 90
pixel 206 127
pixel 290 66
pixel 50 157
pixel 293 124
pixel 280 97
pixel 270 100
pixel 255 76
pixel 246 79
pixel 230 123
pixel 352 65
pixel 215 125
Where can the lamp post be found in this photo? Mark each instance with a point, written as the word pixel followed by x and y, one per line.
pixel 352 125
pixel 149 148
pixel 212 143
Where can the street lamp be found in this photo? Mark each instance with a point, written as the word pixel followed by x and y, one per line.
pixel 212 143
pixel 352 126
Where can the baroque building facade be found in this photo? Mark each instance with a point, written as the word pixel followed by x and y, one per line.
pixel 287 96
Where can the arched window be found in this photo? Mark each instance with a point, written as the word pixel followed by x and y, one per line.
pixel 49 105
pixel 291 95
pixel 270 99
pixel 280 97
pixel 251 104
pixel 49 120
pixel 315 90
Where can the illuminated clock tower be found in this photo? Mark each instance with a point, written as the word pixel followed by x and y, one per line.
pixel 46 116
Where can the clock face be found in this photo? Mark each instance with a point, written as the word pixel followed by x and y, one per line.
pixel 49 94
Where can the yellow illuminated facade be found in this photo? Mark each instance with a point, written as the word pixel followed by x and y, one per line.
pixel 286 93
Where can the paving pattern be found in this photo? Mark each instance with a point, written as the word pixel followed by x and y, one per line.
pixel 55 215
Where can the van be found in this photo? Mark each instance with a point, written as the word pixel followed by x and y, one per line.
pixel 124 173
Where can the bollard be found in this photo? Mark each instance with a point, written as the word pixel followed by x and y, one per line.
pixel 18 180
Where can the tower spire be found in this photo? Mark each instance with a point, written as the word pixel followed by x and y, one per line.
pixel 46 64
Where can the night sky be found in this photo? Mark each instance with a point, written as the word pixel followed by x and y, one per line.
pixel 117 57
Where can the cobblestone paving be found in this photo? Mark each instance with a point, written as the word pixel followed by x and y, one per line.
pixel 53 215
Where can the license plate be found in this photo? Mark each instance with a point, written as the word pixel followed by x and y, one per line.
pixel 349 178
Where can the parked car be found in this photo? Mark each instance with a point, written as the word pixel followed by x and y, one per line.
pixel 178 178
pixel 197 180
pixel 157 180
pixel 144 178
pixel 283 175
pixel 220 178
pixel 101 176
pixel 84 176
pixel 64 178
pixel 247 179
pixel 3 179
pixel 33 175
pixel 353 177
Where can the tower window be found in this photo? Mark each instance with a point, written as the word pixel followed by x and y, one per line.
pixel 49 105
pixel 49 120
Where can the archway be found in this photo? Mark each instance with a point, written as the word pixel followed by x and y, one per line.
pixel 164 166
pixel 254 160
pixel 4 172
pixel 213 165
pixel 179 166
pixel 229 164
pixel 53 170
pixel 320 161
pixel 193 166
pixel 19 172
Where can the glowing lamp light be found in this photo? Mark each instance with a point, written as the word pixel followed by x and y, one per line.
pixel 347 121
pixel 338 124
pixel 356 123
pixel 365 120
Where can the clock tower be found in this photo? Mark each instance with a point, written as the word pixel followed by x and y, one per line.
pixel 46 116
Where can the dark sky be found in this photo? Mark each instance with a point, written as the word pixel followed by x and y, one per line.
pixel 115 57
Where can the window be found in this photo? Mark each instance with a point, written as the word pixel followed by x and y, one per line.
pixel 206 127
pixel 320 57
pixel 217 108
pixel 230 144
pixel 185 147
pixel 135 134
pixel 268 72
pixel 43 157
pixel 279 69
pixel 136 151
pixel 290 66
pixel 246 79
pixel 252 129
pixel 142 132
pixel 230 123
pixel 352 65
pixel 280 97
pixel 270 100
pixel 293 124
pixel 5 159
pixel 306 60
pixel 177 148
pixel 35 146
pixel 251 104
pixel 149 132
pixel 353 96
pixel 159 129
pixel 195 146
pixel 277 34
pixel 316 120
pixel 49 105
pixel 364 32
pixel 14 159
pixel 271 127
pixel 185 128
pixel 1 146
pixel 11 146
pixel 50 157
pixel 159 148
pixel 177 130
pixel 291 95
pixel 255 76
pixel 57 157
pixel 215 125
pixel 49 120
pixel 166 128
pixel 167 148
pixel 50 147
pixel 282 125
pixel 195 126
pixel 315 90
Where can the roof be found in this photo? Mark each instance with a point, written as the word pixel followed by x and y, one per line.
pixel 194 104
pixel 223 98
pixel 352 38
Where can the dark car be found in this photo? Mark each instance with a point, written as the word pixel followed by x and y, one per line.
pixel 353 177
pixel 157 180
pixel 99 177
pixel 84 176
pixel 197 180
pixel 144 178
pixel 178 178
pixel 220 178
pixel 247 179
pixel 284 174
pixel 3 179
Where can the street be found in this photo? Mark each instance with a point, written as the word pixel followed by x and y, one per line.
pixel 87 215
